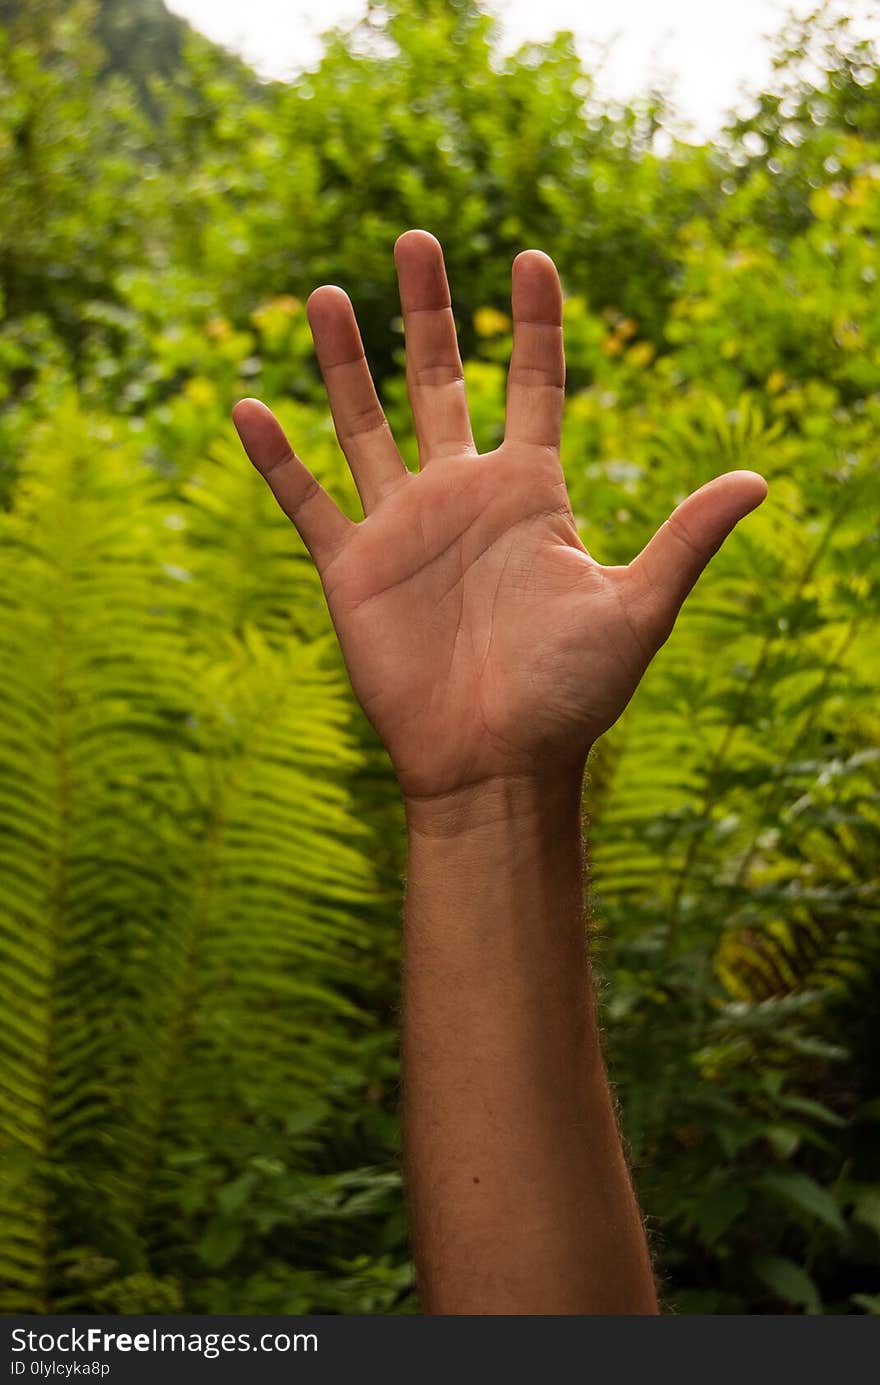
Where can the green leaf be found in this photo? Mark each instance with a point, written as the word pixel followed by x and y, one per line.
pixel 805 1106
pixel 783 1140
pixel 866 1209
pixel 789 1281
pixel 805 1194
pixel 870 1302
pixel 220 1243
pixel 717 1211
pixel 234 1195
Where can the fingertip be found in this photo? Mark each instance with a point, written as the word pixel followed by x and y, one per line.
pixel 739 484
pixel 333 325
pixel 326 296
pixel 739 491
pixel 754 487
pixel 261 435
pixel 417 240
pixel 245 408
pixel 536 290
pixel 539 259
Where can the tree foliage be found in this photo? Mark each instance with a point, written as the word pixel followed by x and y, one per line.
pixel 200 842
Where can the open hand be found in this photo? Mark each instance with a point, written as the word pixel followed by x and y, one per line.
pixel 481 638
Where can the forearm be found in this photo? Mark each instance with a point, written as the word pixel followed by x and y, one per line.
pixel 519 1193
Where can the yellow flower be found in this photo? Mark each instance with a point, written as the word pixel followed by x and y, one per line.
pixel 847 333
pixel 200 391
pixel 488 322
pixel 218 328
pixel 641 354
pixel 824 204
pixel 272 317
pixel 858 192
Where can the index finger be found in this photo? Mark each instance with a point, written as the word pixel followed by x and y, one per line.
pixel 536 379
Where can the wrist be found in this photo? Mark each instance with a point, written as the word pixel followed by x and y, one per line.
pixel 499 800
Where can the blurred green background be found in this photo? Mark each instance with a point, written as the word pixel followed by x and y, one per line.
pixel 200 838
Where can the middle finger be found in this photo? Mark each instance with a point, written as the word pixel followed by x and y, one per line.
pixel 433 365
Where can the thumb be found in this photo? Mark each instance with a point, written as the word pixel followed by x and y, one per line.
pixel 671 563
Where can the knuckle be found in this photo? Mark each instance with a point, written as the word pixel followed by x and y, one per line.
pixel 436 376
pixel 680 532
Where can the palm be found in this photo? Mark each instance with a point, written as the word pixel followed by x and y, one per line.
pixel 480 637
pixel 448 637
